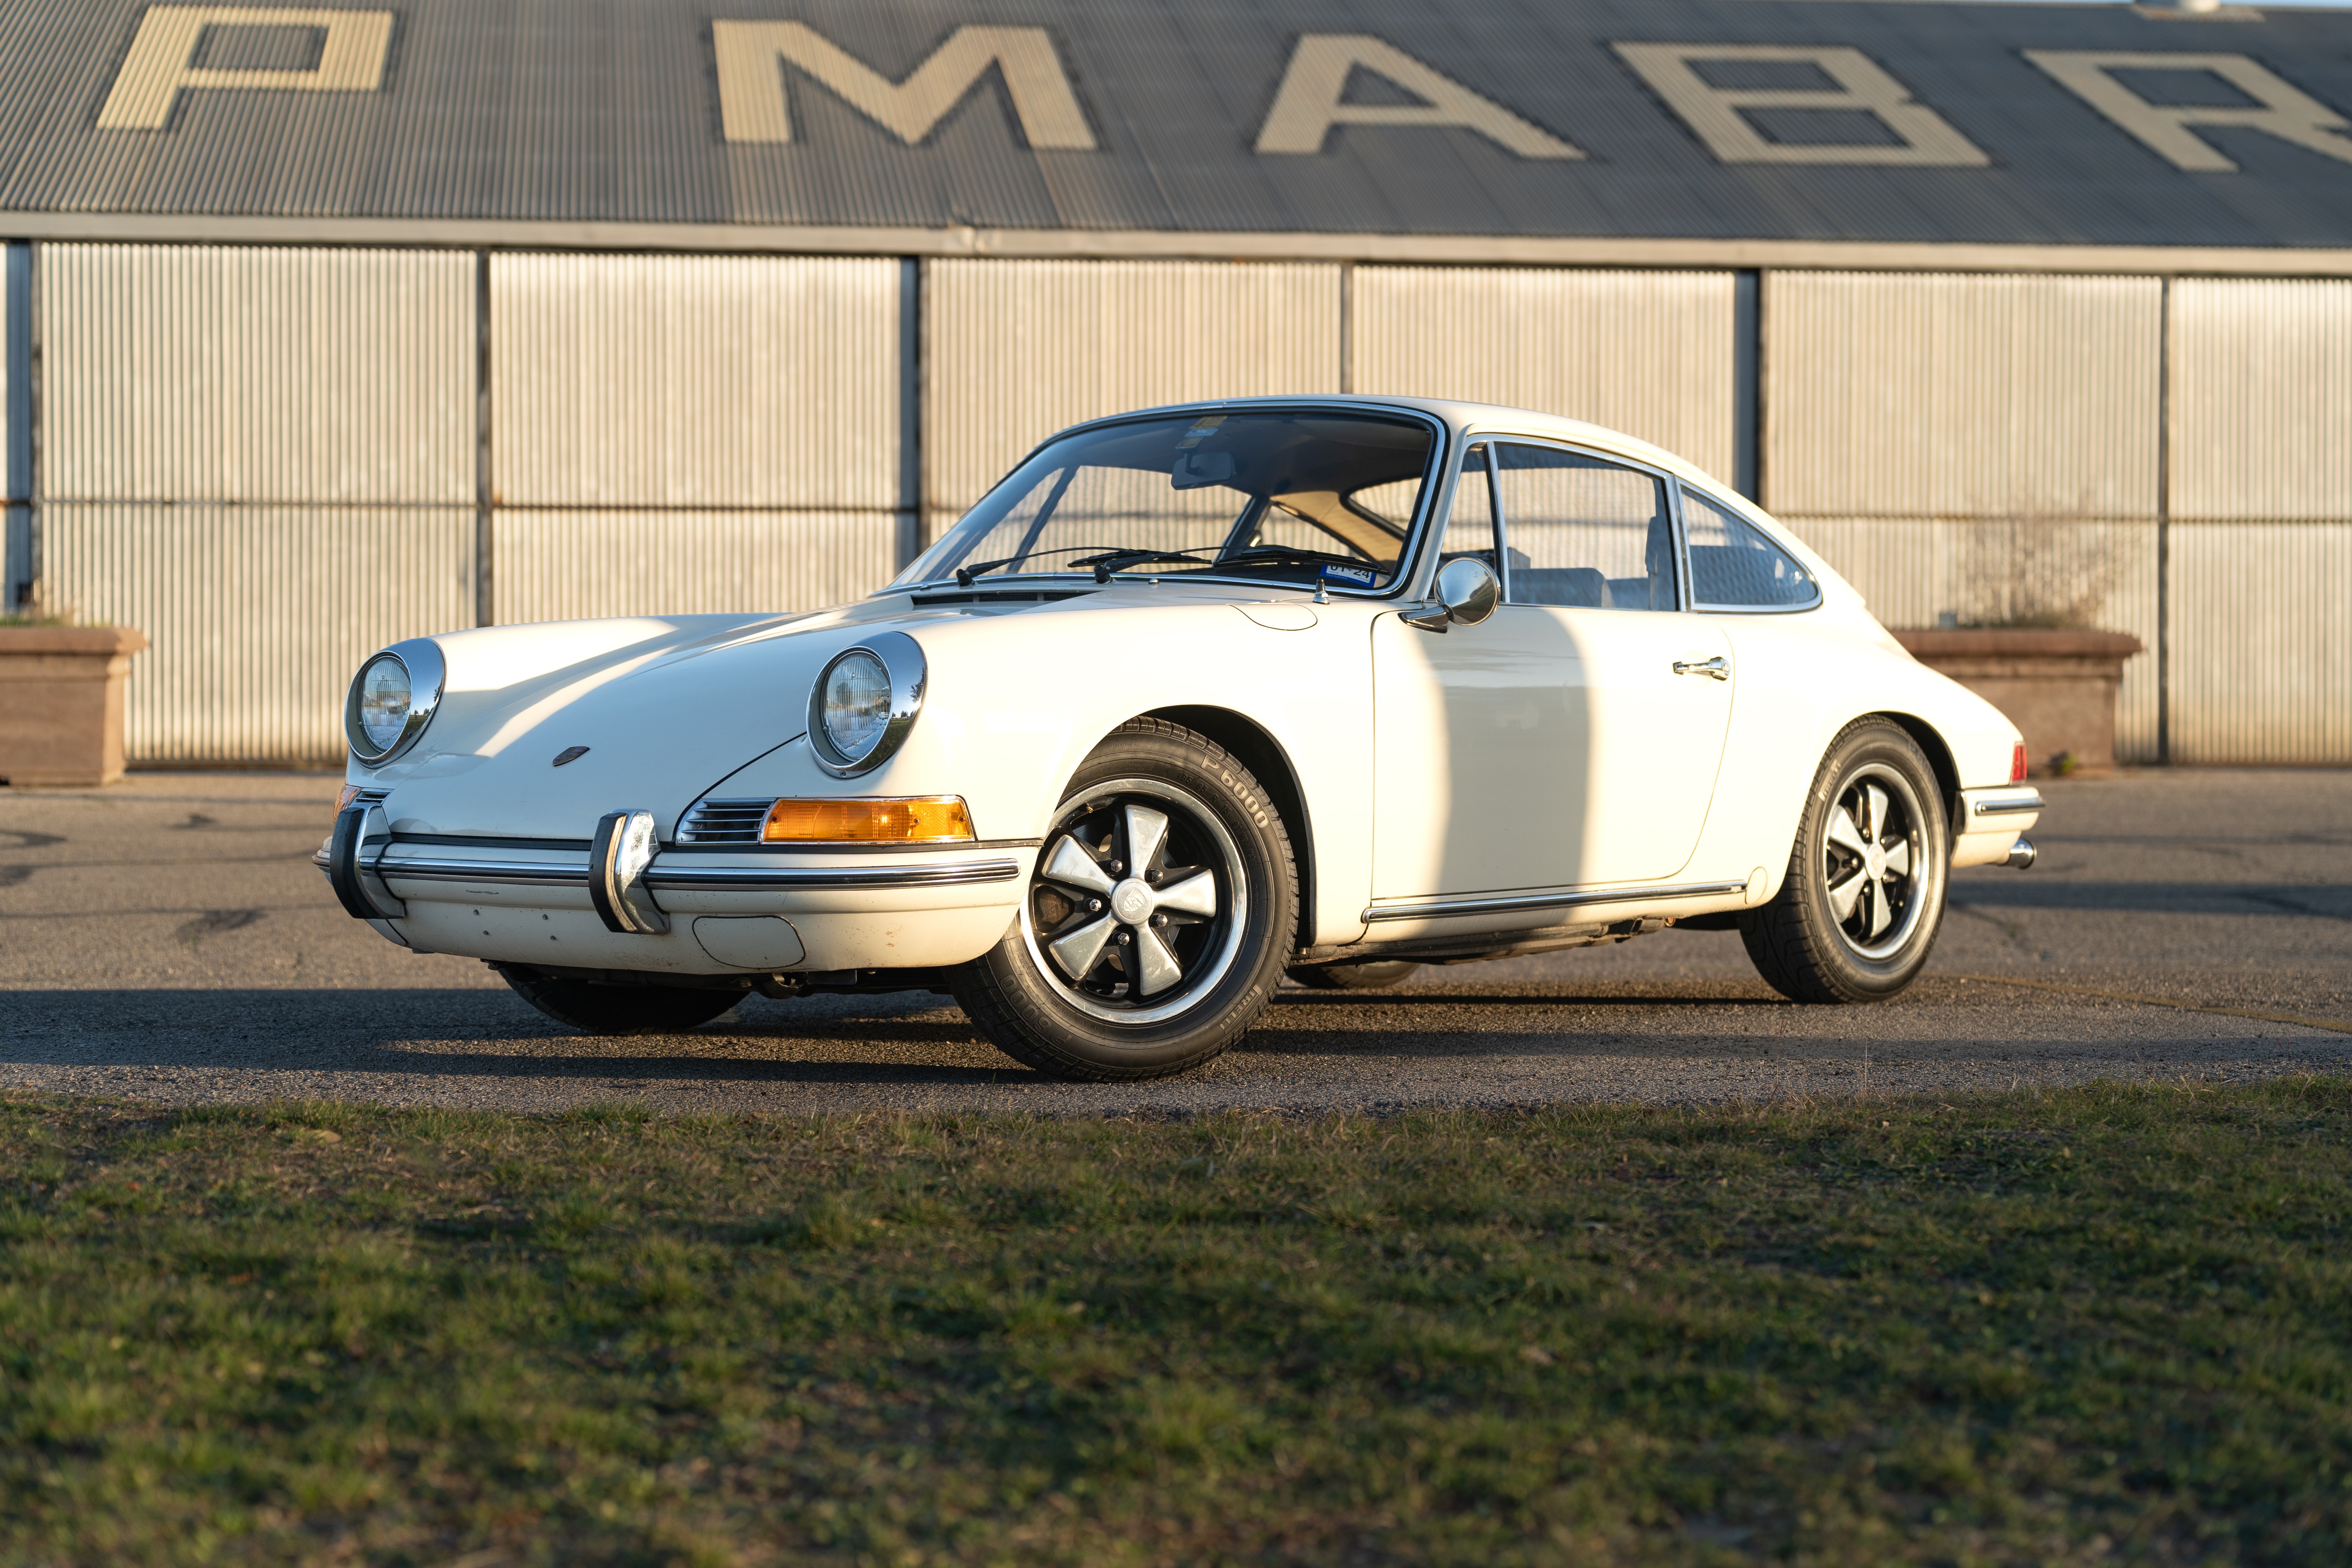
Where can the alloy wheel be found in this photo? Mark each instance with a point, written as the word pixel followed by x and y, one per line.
pixel 1135 909
pixel 1873 852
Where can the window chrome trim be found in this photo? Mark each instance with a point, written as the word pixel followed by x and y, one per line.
pixel 1730 510
pixel 1447 908
pixel 901 657
pixel 428 674
pixel 1418 529
pixel 1683 584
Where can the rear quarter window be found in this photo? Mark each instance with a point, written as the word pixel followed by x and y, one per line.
pixel 1735 566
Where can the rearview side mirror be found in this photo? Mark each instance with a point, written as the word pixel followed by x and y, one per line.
pixel 1466 594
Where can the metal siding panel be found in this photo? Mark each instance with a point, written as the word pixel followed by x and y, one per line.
pixel 631 381
pixel 204 373
pixel 567 565
pixel 2102 575
pixel 1945 395
pixel 2262 399
pixel 1019 349
pixel 1649 354
pixel 2261 642
pixel 255 616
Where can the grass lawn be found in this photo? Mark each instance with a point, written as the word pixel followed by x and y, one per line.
pixel 2102 1324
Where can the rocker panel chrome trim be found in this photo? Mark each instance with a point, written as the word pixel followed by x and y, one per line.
pixel 1441 908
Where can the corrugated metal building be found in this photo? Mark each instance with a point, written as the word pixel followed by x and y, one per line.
pixel 336 323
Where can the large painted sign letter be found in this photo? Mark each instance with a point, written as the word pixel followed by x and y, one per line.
pixel 161 61
pixel 1308 102
pixel 2279 108
pixel 753 106
pixel 1715 113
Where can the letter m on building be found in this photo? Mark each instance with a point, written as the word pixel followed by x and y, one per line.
pixel 753 106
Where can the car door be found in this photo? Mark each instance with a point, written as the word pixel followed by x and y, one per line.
pixel 1573 738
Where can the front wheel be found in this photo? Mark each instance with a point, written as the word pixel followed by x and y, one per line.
pixel 1858 914
pixel 1155 924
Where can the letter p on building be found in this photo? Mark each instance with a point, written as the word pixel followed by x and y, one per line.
pixel 161 61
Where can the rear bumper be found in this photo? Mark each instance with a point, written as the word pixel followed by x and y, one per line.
pixel 1990 822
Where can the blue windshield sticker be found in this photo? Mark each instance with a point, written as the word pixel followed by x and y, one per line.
pixel 1354 576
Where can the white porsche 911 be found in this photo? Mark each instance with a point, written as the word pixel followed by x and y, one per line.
pixel 1194 698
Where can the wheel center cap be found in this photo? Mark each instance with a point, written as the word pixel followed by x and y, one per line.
pixel 1874 860
pixel 1133 901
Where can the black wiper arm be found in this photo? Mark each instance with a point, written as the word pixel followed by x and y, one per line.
pixel 1110 561
pixel 1266 554
pixel 964 575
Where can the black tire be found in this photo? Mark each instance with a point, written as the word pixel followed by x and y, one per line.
pixel 1801 942
pixel 624 1009
pixel 1353 976
pixel 1097 1023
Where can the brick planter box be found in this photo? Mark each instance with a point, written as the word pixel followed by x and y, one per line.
pixel 61 704
pixel 2057 687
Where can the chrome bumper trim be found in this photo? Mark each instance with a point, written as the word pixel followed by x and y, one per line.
pixel 556 874
pixel 2006 804
pixel 953 875
pixel 1440 909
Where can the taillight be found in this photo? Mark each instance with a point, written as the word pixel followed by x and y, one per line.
pixel 2017 763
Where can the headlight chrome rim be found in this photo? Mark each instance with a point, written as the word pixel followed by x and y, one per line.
pixel 427 674
pixel 902 662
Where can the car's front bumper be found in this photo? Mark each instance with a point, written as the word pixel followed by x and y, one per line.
pixel 741 911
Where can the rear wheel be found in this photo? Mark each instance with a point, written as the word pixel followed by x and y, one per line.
pixel 623 1009
pixel 1353 976
pixel 1859 912
pixel 1155 927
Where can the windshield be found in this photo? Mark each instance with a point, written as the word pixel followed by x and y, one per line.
pixel 1295 496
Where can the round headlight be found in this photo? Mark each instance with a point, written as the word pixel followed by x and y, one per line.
pixel 866 699
pixel 393 698
pixel 856 704
pixel 386 697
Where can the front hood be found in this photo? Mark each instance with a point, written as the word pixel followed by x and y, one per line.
pixel 667 707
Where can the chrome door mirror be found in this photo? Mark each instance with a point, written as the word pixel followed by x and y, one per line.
pixel 1467 592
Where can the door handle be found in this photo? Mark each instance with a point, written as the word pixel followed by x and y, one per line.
pixel 1713 668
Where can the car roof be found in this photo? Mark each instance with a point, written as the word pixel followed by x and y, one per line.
pixel 1459 416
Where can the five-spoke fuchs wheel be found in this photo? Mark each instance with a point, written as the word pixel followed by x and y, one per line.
pixel 1864 895
pixel 1163 905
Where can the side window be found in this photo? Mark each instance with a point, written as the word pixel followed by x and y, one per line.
pixel 1585 532
pixel 1470 527
pixel 1733 563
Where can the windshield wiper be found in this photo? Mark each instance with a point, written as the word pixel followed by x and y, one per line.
pixel 1117 557
pixel 1110 561
pixel 1271 554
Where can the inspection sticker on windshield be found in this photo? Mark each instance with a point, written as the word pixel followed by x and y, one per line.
pixel 1354 576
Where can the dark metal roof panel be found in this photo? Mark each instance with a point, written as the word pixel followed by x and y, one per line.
pixel 608 111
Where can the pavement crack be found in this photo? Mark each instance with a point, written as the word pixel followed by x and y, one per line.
pixel 2339 1026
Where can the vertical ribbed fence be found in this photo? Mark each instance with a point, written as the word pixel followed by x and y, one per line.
pixel 260 456
pixel 1978 447
pixel 675 435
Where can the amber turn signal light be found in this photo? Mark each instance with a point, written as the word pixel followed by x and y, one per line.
pixel 909 819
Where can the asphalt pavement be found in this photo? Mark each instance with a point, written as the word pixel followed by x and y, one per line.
pixel 167 939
